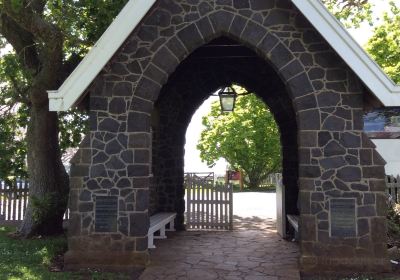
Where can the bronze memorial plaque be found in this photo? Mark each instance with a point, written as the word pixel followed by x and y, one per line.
pixel 106 214
pixel 342 217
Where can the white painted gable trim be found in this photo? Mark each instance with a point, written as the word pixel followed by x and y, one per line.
pixel 344 44
pixel 87 70
pixel 134 11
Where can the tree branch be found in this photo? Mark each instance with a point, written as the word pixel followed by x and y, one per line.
pixel 22 42
pixel 50 40
pixel 28 19
pixel 37 5
pixel 69 65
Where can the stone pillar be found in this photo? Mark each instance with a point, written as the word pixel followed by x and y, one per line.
pixel 343 208
pixel 109 188
pixel 169 162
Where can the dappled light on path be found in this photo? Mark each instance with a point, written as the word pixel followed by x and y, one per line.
pixel 252 250
pixel 254 223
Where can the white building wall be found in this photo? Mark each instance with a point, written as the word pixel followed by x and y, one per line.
pixel 389 149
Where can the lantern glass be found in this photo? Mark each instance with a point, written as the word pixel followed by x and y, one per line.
pixel 227 98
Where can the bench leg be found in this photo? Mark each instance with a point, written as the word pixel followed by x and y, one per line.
pixel 171 226
pixel 162 234
pixel 150 241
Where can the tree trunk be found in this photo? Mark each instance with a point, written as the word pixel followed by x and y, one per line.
pixel 48 180
pixel 255 179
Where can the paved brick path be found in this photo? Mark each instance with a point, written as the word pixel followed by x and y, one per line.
pixel 253 250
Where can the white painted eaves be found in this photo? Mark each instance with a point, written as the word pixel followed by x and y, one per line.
pixel 352 53
pixel 87 70
pixel 134 11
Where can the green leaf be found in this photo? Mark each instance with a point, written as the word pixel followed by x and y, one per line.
pixel 248 138
pixel 384 45
pixel 351 12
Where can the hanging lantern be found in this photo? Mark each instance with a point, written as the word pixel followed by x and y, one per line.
pixel 227 99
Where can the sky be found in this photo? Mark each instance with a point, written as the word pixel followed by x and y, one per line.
pixel 362 34
pixel 192 155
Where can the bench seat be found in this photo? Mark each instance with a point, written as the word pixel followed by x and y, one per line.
pixel 294 222
pixel 159 222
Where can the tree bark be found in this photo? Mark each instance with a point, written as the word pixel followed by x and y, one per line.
pixel 39 45
pixel 48 180
pixel 254 180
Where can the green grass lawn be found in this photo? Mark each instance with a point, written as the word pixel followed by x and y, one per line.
pixel 30 259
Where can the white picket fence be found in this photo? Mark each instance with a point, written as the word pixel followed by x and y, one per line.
pixel 13 202
pixel 272 179
pixel 393 186
pixel 208 205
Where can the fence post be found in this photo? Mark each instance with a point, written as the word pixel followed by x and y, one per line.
pixel 2 199
pixel 230 207
pixel 392 187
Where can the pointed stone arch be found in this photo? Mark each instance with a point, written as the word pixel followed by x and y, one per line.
pixel 190 84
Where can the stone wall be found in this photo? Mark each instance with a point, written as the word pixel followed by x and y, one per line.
pixel 101 168
pixel 335 159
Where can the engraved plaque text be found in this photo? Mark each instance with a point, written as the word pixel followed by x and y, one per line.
pixel 342 217
pixel 106 214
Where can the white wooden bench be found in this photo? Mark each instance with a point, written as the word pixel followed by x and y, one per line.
pixel 159 222
pixel 294 222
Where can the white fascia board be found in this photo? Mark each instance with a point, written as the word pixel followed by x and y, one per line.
pixel 352 53
pixel 134 11
pixel 87 70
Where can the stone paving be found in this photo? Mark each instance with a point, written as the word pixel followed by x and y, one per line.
pixel 253 250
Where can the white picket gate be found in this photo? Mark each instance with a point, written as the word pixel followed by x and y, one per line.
pixel 208 205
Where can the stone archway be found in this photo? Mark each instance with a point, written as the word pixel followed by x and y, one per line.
pixel 220 62
pixel 336 162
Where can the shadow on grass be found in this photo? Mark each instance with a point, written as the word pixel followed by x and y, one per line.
pixel 30 259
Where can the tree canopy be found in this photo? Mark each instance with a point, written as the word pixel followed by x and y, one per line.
pixel 384 45
pixel 351 12
pixel 248 139
pixel 80 23
pixel 42 42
